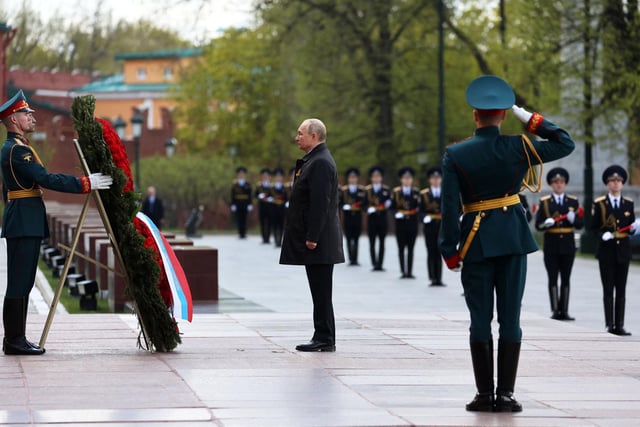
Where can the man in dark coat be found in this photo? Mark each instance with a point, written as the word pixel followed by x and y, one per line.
pixel 24 223
pixel 153 207
pixel 482 177
pixel 312 235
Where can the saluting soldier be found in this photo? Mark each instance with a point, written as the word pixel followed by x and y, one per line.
pixel 241 200
pixel 24 223
pixel 352 199
pixel 279 195
pixel 263 190
pixel 559 216
pixel 405 202
pixel 614 218
pixel 430 199
pixel 484 174
pixel 378 202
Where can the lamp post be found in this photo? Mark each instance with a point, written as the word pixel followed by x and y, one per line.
pixel 170 146
pixel 136 130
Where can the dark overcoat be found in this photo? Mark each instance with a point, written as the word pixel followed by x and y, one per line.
pixel 313 212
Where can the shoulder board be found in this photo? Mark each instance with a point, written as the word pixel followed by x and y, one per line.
pixel 457 142
pixel 547 197
pixel 368 187
pixel 571 196
pixel 425 191
pixel 600 199
pixel 398 188
pixel 627 199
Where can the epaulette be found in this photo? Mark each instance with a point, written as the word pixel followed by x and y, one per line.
pixel 425 191
pixel 571 196
pixel 547 197
pixel 368 187
pixel 600 199
pixel 344 187
pixel 398 188
pixel 627 199
pixel 361 187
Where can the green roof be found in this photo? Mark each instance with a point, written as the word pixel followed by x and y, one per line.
pixel 116 83
pixel 168 53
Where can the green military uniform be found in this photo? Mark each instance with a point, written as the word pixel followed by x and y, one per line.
pixel 24 224
pixel 482 177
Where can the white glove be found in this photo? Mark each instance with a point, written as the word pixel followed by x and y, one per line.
pixel 100 182
pixel 457 269
pixel 286 204
pixel 261 196
pixel 571 216
pixel 387 204
pixel 371 210
pixel 606 236
pixel 521 114
pixel 250 208
pixel 346 207
pixel 399 215
pixel 549 222
pixel 233 208
pixel 427 219
pixel 270 199
pixel 635 225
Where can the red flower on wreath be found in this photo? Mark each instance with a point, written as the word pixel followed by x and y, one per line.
pixel 118 152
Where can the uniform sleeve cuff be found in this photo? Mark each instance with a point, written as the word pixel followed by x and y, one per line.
pixel 453 261
pixel 534 123
pixel 86 184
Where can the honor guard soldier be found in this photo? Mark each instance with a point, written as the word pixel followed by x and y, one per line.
pixel 614 219
pixel 559 215
pixel 482 177
pixel 24 223
pixel 352 198
pixel 430 204
pixel 279 196
pixel 378 202
pixel 263 191
pixel 241 200
pixel 405 202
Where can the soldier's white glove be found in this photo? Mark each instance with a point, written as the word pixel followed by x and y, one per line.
pixel 549 222
pixel 635 225
pixel 427 219
pixel 250 208
pixel 387 204
pixel 233 208
pixel 399 215
pixel 100 182
pixel 270 199
pixel 521 114
pixel 606 236
pixel 571 216
pixel 371 210
pixel 346 207
pixel 261 196
pixel 286 204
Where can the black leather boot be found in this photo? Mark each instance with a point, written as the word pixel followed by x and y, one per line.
pixel 608 314
pixel 563 306
pixel 618 328
pixel 14 342
pixel 482 358
pixel 508 357
pixel 553 299
pixel 26 311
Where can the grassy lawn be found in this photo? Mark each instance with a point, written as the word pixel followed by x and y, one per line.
pixel 72 304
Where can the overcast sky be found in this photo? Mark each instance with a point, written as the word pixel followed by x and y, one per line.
pixel 194 20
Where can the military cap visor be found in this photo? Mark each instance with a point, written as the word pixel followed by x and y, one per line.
pixel 278 172
pixel 241 169
pixel 614 172
pixel 558 173
pixel 16 104
pixel 490 93
pixel 352 171
pixel 436 171
pixel 375 169
pixel 406 171
pixel 265 171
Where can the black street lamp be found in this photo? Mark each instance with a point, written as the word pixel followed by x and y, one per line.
pixel 170 146
pixel 120 125
pixel 136 129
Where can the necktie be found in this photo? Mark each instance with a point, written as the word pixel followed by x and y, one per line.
pixel 616 204
pixel 559 201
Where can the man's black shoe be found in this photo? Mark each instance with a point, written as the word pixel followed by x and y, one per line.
pixel 565 316
pixel 507 403
pixel 483 402
pixel 621 332
pixel 316 346
pixel 437 283
pixel 556 315
pixel 20 346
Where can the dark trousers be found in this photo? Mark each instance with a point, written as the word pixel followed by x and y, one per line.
pixel 559 264
pixel 264 214
pixel 377 230
pixel 241 221
pixel 352 231
pixel 277 223
pixel 434 258
pixel 613 274
pixel 506 277
pixel 320 278
pixel 406 233
pixel 22 263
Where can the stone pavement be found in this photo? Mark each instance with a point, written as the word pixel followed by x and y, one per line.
pixel 402 356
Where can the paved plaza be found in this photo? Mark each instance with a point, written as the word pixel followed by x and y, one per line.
pixel 402 355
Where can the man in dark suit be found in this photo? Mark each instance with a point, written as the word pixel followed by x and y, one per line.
pixel 482 177
pixel 558 216
pixel 24 223
pixel 352 199
pixel 153 208
pixel 430 198
pixel 241 200
pixel 378 202
pixel 312 235
pixel 613 217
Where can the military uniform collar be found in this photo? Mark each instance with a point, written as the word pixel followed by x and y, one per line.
pixel 488 131
pixel 19 137
pixel 318 148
